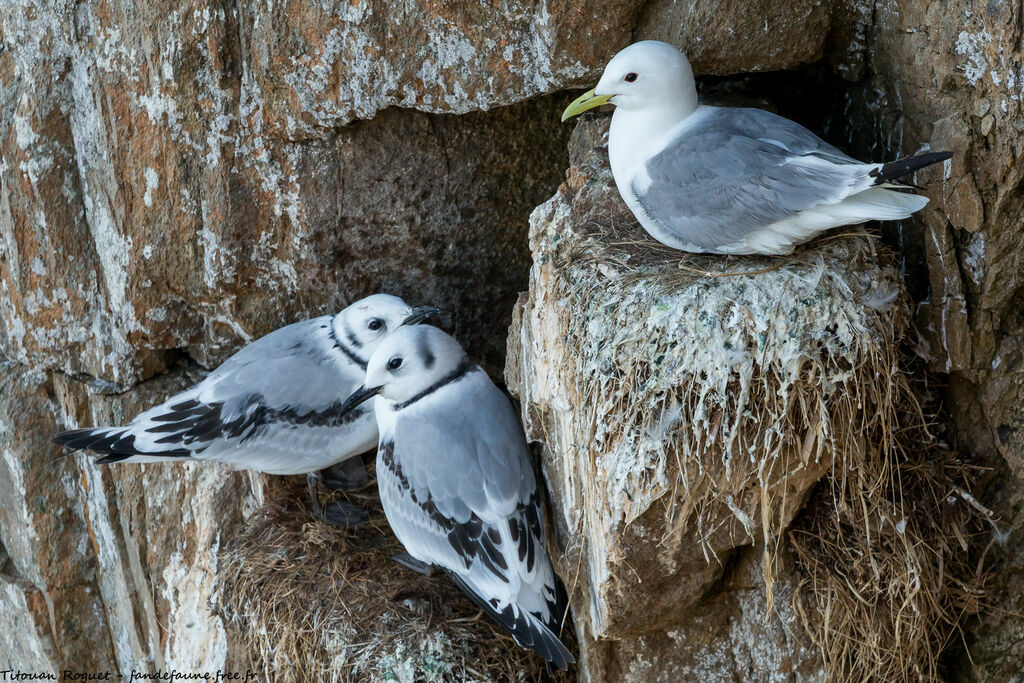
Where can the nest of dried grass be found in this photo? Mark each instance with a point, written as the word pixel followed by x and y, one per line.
pixel 310 602
pixel 891 555
pixel 745 371
pixel 744 376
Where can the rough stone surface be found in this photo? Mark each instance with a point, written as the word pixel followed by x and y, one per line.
pixel 179 180
pixel 45 587
pixel 949 75
pixel 686 416
pixel 728 637
pixel 323 65
pixel 733 36
pixel 109 568
pixel 146 192
pixel 163 164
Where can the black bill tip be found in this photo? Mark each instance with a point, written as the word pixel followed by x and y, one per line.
pixel 361 395
pixel 421 313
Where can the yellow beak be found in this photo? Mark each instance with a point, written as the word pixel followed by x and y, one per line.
pixel 587 100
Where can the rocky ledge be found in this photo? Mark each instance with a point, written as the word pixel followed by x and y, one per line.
pixel 689 407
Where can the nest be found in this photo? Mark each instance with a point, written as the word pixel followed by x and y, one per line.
pixel 309 602
pixel 709 385
pixel 709 381
pixel 891 555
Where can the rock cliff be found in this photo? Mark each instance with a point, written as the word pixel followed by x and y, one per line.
pixel 176 181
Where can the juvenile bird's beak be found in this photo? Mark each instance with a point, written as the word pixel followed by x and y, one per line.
pixel 587 100
pixel 421 313
pixel 361 395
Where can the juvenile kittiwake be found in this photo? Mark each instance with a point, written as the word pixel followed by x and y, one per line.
pixel 457 486
pixel 274 406
pixel 727 180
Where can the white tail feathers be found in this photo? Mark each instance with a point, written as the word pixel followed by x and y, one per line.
pixel 874 204
pixel 878 204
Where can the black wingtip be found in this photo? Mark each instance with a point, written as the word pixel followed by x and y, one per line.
pixel 75 439
pixel 903 167
pixel 560 622
pixel 526 629
pixel 111 459
pixel 114 445
pixel 58 439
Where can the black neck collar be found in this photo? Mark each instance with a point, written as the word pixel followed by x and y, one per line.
pixel 464 368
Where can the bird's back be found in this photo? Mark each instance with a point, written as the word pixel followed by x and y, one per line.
pixel 741 181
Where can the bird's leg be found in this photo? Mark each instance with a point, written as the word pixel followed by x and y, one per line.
pixel 312 480
pixel 338 513
pixel 347 475
pixel 345 515
pixel 410 562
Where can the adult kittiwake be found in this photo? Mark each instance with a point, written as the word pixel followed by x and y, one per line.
pixel 727 180
pixel 457 486
pixel 274 406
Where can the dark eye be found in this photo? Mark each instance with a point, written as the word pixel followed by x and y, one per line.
pixel 630 77
pixel 395 363
pixel 375 323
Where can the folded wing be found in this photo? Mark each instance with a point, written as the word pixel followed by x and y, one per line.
pixel 474 511
pixel 736 171
pixel 273 406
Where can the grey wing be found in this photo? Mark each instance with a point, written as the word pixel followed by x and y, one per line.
pixel 297 368
pixel 273 406
pixel 736 171
pixel 498 560
pixel 461 494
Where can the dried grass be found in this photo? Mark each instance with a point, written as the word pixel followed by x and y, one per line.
pixel 891 556
pixel 309 602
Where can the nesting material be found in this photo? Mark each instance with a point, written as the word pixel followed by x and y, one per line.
pixel 891 558
pixel 701 396
pixel 690 404
pixel 308 602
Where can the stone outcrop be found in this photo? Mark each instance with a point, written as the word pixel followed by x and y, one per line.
pixel 107 568
pixel 149 187
pixel 160 165
pixel 949 76
pixel 735 37
pixel 688 406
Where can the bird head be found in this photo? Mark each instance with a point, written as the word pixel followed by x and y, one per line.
pixel 365 323
pixel 646 75
pixel 406 363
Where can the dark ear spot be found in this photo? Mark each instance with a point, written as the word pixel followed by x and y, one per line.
pixel 426 354
pixel 351 336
